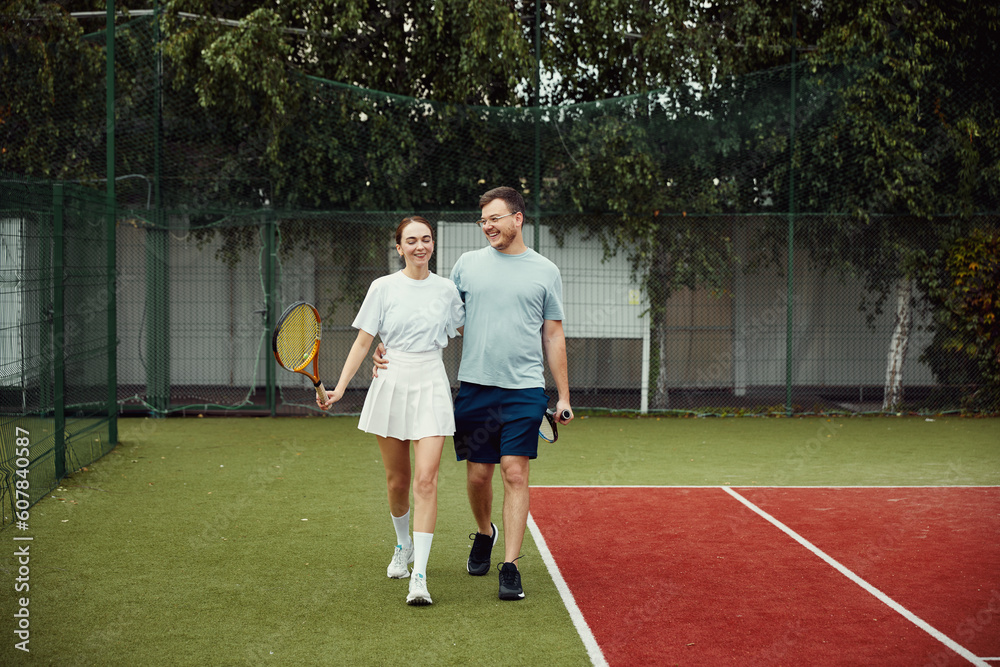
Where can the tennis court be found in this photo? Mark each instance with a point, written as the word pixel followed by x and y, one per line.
pixel 739 231
pixel 711 576
pixel 246 541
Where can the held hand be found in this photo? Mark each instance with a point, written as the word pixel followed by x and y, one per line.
pixel 561 407
pixel 379 358
pixel 331 398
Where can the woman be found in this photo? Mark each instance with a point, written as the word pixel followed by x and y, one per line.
pixel 414 312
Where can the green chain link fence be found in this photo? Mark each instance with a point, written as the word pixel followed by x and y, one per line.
pixel 56 409
pixel 709 260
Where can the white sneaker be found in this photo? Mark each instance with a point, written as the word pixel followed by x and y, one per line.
pixel 400 557
pixel 418 591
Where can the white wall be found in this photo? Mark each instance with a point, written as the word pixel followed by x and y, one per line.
pixel 217 333
pixel 600 299
pixel 11 301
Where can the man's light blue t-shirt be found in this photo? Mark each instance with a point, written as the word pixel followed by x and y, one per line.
pixel 507 298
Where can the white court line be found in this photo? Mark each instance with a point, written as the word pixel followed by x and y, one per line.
pixel 757 486
pixel 593 650
pixel 885 599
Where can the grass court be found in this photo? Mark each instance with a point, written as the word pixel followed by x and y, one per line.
pixel 243 541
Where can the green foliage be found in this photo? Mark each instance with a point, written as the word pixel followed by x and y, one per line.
pixel 275 130
pixel 657 113
pixel 50 82
pixel 896 126
pixel 960 279
pixel 243 70
pixel 610 48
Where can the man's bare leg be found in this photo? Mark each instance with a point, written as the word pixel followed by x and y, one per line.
pixel 514 470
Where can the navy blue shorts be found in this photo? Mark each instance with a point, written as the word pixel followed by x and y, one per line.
pixel 491 422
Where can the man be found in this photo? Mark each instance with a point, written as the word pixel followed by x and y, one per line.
pixel 514 312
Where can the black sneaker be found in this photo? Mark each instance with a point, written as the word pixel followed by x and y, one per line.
pixel 482 547
pixel 510 582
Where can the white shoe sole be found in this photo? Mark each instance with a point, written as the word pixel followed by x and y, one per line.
pixel 418 598
pixel 400 574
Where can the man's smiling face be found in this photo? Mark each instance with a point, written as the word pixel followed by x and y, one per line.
pixel 504 231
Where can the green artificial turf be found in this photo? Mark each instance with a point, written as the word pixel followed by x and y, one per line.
pixel 768 451
pixel 243 541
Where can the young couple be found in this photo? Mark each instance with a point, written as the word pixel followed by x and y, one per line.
pixel 506 301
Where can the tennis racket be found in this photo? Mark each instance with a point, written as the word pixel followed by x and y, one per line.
pixel 296 342
pixel 547 430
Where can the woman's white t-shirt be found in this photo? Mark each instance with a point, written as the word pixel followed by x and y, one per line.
pixel 412 315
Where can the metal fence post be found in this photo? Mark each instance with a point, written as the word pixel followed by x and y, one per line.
pixel 110 229
pixel 789 341
pixel 59 328
pixel 158 260
pixel 537 181
pixel 157 302
pixel 270 303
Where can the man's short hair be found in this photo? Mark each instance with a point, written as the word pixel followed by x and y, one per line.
pixel 510 196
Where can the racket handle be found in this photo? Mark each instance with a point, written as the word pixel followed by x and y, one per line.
pixel 566 414
pixel 321 392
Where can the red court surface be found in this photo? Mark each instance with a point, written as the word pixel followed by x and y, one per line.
pixel 695 576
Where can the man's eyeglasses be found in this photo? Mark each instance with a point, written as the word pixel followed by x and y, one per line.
pixel 493 219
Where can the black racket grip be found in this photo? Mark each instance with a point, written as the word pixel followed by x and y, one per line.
pixel 566 414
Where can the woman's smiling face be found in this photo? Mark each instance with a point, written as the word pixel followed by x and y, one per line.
pixel 416 244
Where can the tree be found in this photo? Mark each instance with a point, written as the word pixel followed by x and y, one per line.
pixel 656 109
pixel 318 106
pixel 641 164
pixel 270 106
pixel 916 116
pixel 237 72
pixel 50 78
pixel 451 53
pixel 960 279
pixel 894 126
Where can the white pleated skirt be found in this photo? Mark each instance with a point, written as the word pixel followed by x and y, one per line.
pixel 411 399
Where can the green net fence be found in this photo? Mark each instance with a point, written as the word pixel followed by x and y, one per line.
pixel 56 410
pixel 713 259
